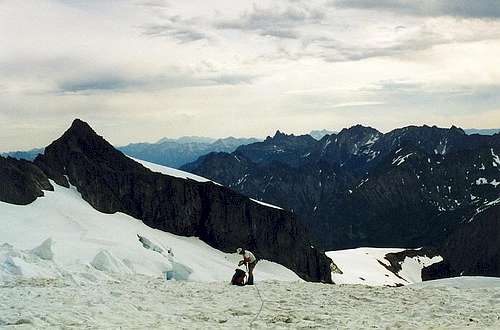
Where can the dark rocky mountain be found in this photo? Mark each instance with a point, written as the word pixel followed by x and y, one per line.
pixel 27 155
pixel 177 152
pixel 473 249
pixel 112 182
pixel 21 181
pixel 411 187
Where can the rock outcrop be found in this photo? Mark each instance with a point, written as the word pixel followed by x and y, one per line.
pixel 21 182
pixel 472 250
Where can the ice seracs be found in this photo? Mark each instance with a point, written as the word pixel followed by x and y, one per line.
pixel 44 250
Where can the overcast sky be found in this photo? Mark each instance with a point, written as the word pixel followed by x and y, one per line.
pixel 140 70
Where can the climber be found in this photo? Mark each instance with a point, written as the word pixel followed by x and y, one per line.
pixel 250 261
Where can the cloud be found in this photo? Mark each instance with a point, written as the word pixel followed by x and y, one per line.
pixel 451 99
pixel 459 8
pixel 232 79
pixel 154 4
pixel 280 22
pixel 176 28
pixel 357 104
pixel 313 30
pixel 187 64
pixel 105 82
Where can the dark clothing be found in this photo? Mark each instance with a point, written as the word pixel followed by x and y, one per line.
pixel 251 267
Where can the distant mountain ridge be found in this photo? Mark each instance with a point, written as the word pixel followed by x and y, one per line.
pixel 482 131
pixel 27 155
pixel 410 187
pixel 177 152
pixel 218 145
pixel 319 134
pixel 188 139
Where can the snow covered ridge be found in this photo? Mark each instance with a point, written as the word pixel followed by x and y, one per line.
pixel 185 175
pixel 369 266
pixel 172 171
pixel 80 242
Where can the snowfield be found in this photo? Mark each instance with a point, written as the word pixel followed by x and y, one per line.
pixel 366 266
pixel 144 302
pixel 76 238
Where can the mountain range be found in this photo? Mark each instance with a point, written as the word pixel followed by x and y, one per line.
pixel 186 149
pixel 411 187
pixel 177 152
pixel 27 155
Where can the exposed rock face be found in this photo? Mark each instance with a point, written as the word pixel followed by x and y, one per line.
pixel 410 187
pixel 21 182
pixel 288 149
pixel 474 249
pixel 111 182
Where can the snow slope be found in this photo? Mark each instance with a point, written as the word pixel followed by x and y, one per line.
pixel 364 266
pixel 463 282
pixel 171 171
pixel 142 302
pixel 87 242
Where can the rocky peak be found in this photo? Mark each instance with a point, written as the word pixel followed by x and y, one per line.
pixel 281 137
pixel 457 130
pixel 357 135
pixel 279 134
pixel 80 144
pixel 82 137
pixel 284 148
pixel 351 141
pixel 359 130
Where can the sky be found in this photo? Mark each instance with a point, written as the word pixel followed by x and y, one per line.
pixel 139 70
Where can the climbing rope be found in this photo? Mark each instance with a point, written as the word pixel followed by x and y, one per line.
pixel 261 306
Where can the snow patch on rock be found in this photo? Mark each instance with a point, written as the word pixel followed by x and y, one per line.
pixel 171 171
pixel 411 268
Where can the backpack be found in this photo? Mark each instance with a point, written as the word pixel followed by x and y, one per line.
pixel 238 277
